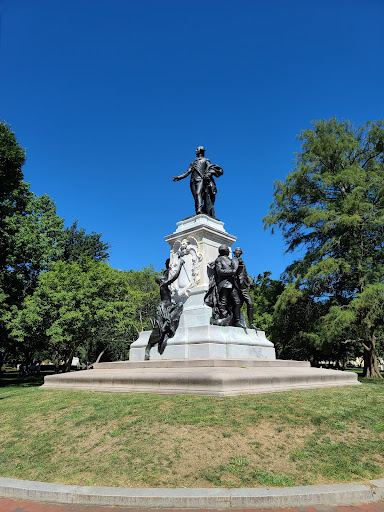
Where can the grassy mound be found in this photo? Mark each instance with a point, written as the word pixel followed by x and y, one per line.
pixel 291 438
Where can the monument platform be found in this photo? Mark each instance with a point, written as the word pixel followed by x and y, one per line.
pixel 207 376
pixel 201 359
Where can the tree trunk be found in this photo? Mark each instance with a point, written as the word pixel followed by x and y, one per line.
pixel 57 363
pixel 68 362
pixel 99 356
pixel 27 358
pixel 2 359
pixel 371 366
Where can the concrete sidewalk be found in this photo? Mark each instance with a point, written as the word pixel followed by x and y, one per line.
pixel 183 498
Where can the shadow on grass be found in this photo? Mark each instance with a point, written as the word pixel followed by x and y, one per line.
pixel 12 379
pixel 366 380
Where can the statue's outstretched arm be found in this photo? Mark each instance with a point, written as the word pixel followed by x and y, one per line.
pixel 182 176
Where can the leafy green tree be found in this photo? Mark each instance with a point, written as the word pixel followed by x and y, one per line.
pixel 12 159
pixel 32 236
pixel 265 292
pixel 68 304
pixel 79 304
pixel 29 233
pixel 295 326
pixel 331 208
pixel 77 245
pixel 139 296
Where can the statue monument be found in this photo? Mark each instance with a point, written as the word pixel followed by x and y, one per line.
pixel 204 344
pixel 209 286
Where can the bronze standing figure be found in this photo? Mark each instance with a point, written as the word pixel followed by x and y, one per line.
pixel 244 281
pixel 223 293
pixel 168 312
pixel 203 186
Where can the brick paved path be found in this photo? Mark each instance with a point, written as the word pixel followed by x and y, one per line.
pixel 10 505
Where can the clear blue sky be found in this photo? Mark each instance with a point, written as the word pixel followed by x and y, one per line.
pixel 110 99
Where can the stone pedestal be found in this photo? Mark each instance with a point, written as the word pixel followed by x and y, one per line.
pixel 197 240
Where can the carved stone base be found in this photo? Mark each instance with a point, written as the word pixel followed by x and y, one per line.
pixel 208 341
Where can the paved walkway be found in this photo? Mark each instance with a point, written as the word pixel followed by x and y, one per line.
pixel 10 505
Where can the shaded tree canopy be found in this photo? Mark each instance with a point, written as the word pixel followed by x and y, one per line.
pixel 12 159
pixel 265 292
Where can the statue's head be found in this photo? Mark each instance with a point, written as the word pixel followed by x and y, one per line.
pixel 200 151
pixel 159 279
pixel 237 252
pixel 224 250
pixel 167 261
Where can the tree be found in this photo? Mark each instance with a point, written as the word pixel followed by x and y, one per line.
pixel 265 292
pixel 12 159
pixel 77 244
pixel 331 207
pixel 79 304
pixel 68 304
pixel 32 236
pixel 293 329
pixel 29 233
pixel 138 299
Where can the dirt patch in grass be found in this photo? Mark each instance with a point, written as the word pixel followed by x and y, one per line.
pixel 191 449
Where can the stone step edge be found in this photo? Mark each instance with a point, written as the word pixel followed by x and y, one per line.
pixel 203 362
pixel 218 498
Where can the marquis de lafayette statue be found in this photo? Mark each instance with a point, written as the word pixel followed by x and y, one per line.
pixel 167 314
pixel 228 289
pixel 203 185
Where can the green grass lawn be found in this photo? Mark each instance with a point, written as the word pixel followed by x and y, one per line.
pixel 142 440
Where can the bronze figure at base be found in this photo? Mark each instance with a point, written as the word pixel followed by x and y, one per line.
pixel 168 312
pixel 228 289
